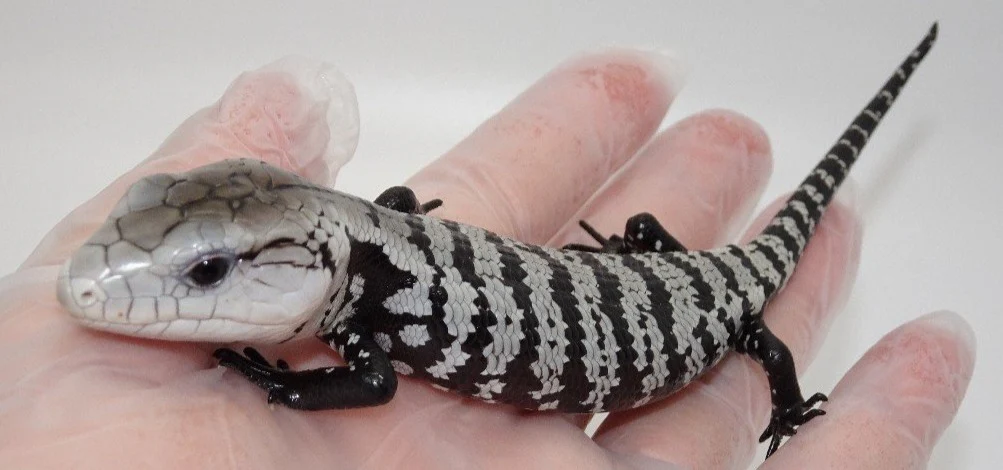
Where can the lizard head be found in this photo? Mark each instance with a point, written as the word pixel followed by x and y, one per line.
pixel 233 251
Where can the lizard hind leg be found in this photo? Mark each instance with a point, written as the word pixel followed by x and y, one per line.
pixel 403 199
pixel 642 234
pixel 790 409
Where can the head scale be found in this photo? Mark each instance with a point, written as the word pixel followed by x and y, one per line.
pixel 233 251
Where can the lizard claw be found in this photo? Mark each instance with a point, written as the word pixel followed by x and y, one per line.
pixel 256 356
pixel 256 368
pixel 613 244
pixel 784 422
pixel 278 380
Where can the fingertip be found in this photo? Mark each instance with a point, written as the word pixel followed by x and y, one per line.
pixel 733 128
pixel 954 326
pixel 932 357
pixel 739 142
pixel 667 67
pixel 635 89
pixel 672 66
pixel 624 69
pixel 296 113
pixel 746 151
pixel 327 86
pixel 894 404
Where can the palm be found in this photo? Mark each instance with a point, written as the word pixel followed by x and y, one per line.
pixel 76 396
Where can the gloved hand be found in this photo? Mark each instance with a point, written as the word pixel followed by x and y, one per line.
pixel 579 144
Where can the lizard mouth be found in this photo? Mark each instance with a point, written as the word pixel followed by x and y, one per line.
pixel 122 328
pixel 190 329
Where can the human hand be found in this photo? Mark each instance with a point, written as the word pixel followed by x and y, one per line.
pixel 568 148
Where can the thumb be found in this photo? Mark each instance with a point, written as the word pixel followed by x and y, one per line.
pixel 294 113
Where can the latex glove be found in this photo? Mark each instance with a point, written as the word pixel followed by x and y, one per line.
pixel 567 148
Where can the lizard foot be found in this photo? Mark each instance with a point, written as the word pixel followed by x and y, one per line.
pixel 369 382
pixel 785 421
pixel 642 234
pixel 277 380
pixel 403 199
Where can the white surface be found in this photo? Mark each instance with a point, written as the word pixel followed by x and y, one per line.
pixel 87 91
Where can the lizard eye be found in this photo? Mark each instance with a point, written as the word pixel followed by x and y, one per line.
pixel 209 271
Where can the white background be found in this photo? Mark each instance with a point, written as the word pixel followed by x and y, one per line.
pixel 87 91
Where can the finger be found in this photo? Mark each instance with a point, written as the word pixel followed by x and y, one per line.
pixel 293 114
pixel 894 404
pixel 730 405
pixel 700 178
pixel 527 169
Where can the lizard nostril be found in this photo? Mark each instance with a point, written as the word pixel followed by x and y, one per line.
pixel 86 293
pixel 87 298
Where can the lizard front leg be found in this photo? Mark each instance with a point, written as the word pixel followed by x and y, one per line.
pixel 403 199
pixel 367 380
pixel 642 234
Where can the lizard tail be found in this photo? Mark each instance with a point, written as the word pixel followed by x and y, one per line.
pixel 783 240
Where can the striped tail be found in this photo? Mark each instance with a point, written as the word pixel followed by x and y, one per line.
pixel 782 242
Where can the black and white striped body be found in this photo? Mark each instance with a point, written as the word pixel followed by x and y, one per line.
pixel 539 327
